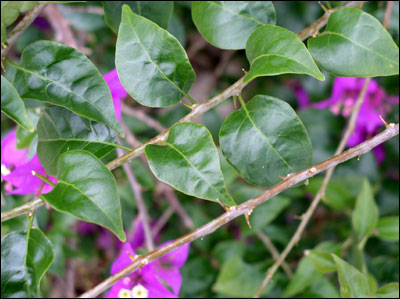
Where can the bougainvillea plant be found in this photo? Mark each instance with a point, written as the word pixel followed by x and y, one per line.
pixel 88 87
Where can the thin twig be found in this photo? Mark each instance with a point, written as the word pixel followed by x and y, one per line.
pixel 21 27
pixel 321 193
pixel 274 252
pixel 246 207
pixel 388 14
pixel 162 220
pixel 137 191
pixel 199 110
pixel 151 122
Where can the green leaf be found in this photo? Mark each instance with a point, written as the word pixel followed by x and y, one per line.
pixel 63 76
pixel 60 130
pixel 189 162
pixel 322 261
pixel 264 140
pixel 273 50
pixel 27 138
pixel 365 214
pixel 355 44
pixel 151 63
pixel 238 279
pixel 13 106
pixel 388 228
pixel 159 12
pixel 353 284
pixel 390 290
pixel 228 24
pixel 87 190
pixel 9 13
pixel 25 257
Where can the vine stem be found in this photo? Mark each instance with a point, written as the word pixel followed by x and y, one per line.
pixel 197 111
pixel 21 27
pixel 246 207
pixel 321 193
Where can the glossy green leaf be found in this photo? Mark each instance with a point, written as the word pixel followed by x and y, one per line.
pixel 159 12
pixel 87 190
pixel 353 284
pixel 238 279
pixel 151 63
pixel 13 106
pixel 355 44
pixel 388 228
pixel 322 261
pixel 27 138
pixel 25 257
pixel 60 130
pixel 273 50
pixel 265 140
pixel 63 76
pixel 390 290
pixel 365 214
pixel 10 11
pixel 189 162
pixel 228 24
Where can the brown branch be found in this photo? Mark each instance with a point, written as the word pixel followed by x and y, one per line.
pixel 246 207
pixel 21 27
pixel 321 193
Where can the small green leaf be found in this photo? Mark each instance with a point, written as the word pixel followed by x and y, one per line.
pixel 388 228
pixel 159 12
pixel 27 138
pixel 228 24
pixel 322 261
pixel 365 214
pixel 25 257
pixel 60 130
pixel 238 279
pixel 13 106
pixel 189 162
pixel 273 50
pixel 390 290
pixel 63 76
pixel 353 284
pixel 265 140
pixel 355 44
pixel 151 63
pixel 87 190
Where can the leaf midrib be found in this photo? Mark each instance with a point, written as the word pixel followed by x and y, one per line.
pixel 265 138
pixel 197 171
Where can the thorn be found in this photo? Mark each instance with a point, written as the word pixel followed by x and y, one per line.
pixel 286 177
pixel 323 7
pixel 384 122
pixel 143 263
pixel 315 33
pixel 306 182
pixel 358 158
pixel 244 71
pixel 132 257
pixel 299 217
pixel 247 215
pixel 187 105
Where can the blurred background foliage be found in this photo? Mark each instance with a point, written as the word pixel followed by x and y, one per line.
pixel 232 261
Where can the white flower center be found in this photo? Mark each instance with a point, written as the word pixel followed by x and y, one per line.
pixel 124 293
pixel 5 170
pixel 139 291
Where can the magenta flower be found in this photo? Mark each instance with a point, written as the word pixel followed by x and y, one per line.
pixel 16 168
pixel 344 95
pixel 117 91
pixel 149 282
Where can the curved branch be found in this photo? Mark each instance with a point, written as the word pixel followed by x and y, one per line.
pixel 246 207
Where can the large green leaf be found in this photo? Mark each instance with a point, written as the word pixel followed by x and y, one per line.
pixel 13 106
pixel 390 290
pixel 273 50
pixel 151 63
pixel 60 130
pixel 388 228
pixel 355 44
pixel 159 12
pixel 238 279
pixel 63 76
pixel 228 24
pixel 353 284
pixel 189 162
pixel 265 140
pixel 365 214
pixel 25 257
pixel 87 190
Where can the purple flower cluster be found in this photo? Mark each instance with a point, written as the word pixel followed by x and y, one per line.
pixel 16 169
pixel 345 92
